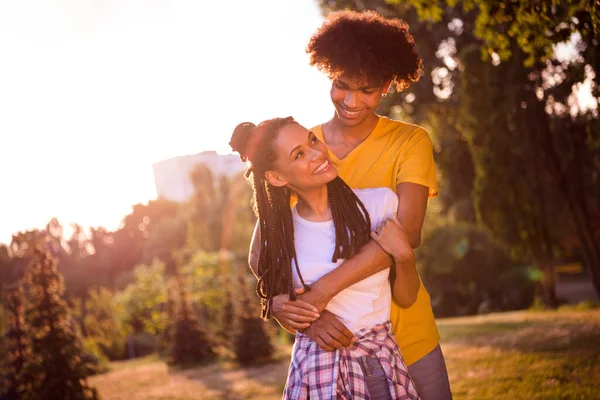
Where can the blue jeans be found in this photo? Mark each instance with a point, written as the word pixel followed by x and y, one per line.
pixel 431 377
pixel 375 379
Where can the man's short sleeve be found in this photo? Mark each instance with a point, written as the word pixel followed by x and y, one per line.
pixel 416 162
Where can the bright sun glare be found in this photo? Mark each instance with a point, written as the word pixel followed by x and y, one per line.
pixel 94 92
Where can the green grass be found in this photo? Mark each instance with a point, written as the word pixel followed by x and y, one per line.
pixel 516 355
pixel 524 355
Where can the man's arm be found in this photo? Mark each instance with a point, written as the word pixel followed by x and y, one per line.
pixel 412 205
pixel 290 315
pixel 369 260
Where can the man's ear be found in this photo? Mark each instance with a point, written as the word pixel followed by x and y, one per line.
pixel 275 179
pixel 386 88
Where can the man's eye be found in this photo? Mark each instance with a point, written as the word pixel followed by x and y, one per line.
pixel 313 140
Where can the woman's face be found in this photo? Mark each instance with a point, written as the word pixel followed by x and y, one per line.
pixel 355 99
pixel 302 161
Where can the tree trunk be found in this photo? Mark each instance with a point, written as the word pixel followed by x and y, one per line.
pixel 548 284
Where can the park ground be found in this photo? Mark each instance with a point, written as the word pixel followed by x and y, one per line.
pixel 514 355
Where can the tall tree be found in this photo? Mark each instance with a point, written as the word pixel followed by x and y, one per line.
pixel 56 368
pixel 16 348
pixel 513 193
pixel 190 343
pixel 565 136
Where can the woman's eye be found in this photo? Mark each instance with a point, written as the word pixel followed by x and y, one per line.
pixel 300 154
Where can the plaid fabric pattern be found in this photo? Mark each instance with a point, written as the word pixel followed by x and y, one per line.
pixel 318 374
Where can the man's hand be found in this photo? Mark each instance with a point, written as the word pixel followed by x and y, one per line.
pixel 329 333
pixel 298 314
pixel 316 296
pixel 392 238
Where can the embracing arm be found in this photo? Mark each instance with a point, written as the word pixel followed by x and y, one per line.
pixel 412 204
pixel 303 313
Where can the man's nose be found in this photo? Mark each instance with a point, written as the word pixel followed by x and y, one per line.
pixel 351 99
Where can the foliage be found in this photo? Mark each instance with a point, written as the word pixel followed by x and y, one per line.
pixel 509 124
pixel 190 343
pixel 56 367
pixel 143 300
pixel 251 340
pixel 227 314
pixel 104 324
pixel 218 213
pixel 466 272
pixel 15 348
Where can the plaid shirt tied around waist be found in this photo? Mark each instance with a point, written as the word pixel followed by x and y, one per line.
pixel 315 373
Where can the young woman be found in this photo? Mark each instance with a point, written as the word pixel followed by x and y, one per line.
pixel 299 244
pixel 364 54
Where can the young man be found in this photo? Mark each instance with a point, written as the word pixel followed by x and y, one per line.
pixel 363 54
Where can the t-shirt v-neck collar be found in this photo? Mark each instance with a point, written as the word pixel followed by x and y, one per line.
pixel 336 158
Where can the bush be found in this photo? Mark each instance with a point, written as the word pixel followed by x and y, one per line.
pixel 103 323
pixel 467 273
pixel 251 341
pixel 189 342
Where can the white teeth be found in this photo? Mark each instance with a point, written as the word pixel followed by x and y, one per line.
pixel 350 113
pixel 321 167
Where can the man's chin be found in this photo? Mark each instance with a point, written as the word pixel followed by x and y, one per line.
pixel 349 121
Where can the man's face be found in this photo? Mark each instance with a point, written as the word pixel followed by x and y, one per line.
pixel 355 99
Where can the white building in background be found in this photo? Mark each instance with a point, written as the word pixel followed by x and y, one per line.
pixel 172 176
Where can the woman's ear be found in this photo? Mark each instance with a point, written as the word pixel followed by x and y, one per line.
pixel 275 179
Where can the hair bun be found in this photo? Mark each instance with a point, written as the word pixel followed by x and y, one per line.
pixel 239 138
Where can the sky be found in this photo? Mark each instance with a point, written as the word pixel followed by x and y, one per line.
pixel 92 92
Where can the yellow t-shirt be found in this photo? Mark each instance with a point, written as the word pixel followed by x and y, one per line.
pixel 396 152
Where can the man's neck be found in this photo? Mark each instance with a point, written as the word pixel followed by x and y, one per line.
pixel 339 132
pixel 342 139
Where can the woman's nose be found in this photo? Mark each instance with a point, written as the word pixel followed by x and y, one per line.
pixel 316 154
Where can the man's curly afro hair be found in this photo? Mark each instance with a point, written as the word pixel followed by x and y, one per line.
pixel 366 44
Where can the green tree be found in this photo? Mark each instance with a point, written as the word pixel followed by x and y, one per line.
pixel 227 314
pixel 251 341
pixel 218 215
pixel 56 368
pixel 467 273
pixel 16 349
pixel 130 242
pixel 143 301
pixel 190 343
pixel 567 134
pixel 558 141
pixel 103 324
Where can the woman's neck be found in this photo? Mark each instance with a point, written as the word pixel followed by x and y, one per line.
pixel 313 205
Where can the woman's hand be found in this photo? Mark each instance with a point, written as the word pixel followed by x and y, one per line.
pixel 392 238
pixel 298 314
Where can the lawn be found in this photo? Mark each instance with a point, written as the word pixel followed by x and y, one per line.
pixel 517 355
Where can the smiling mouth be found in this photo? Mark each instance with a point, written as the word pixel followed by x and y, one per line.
pixel 349 113
pixel 321 167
